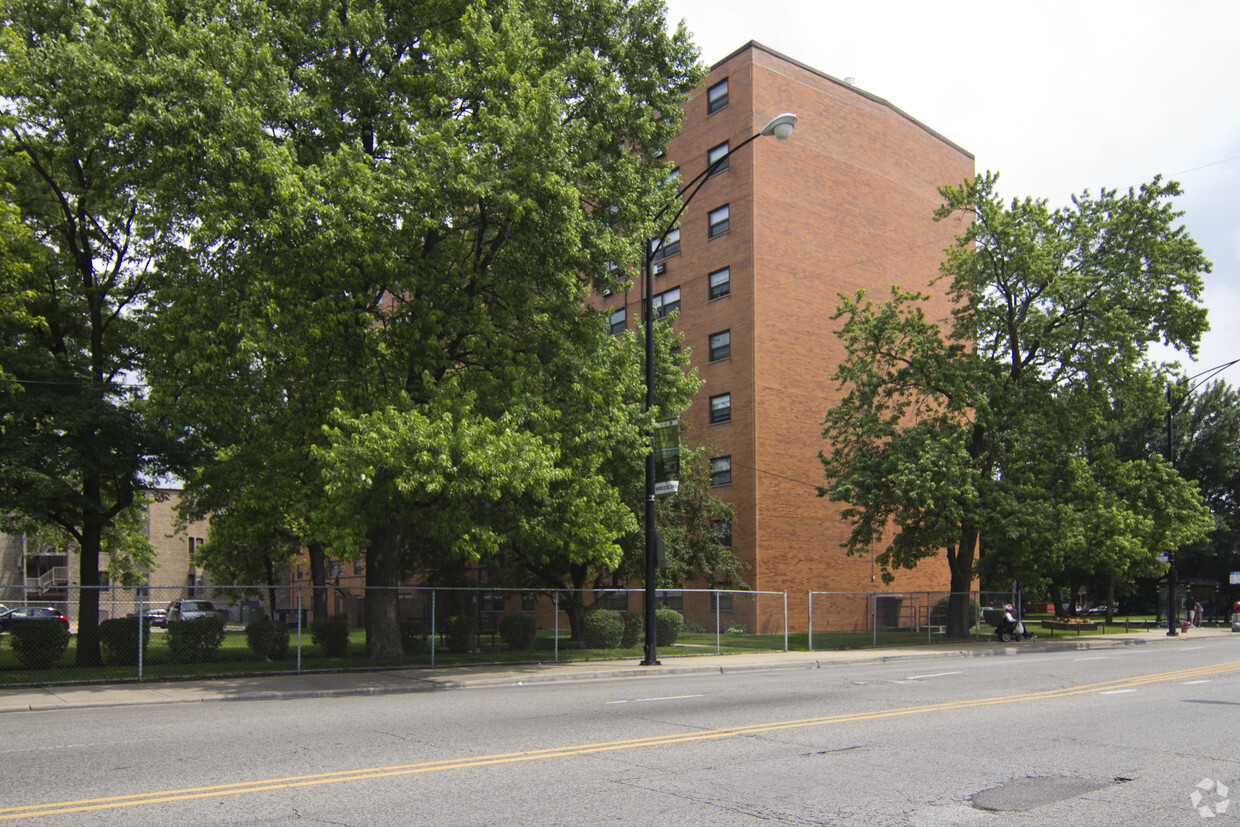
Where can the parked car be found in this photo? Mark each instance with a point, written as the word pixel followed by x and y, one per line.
pixel 12 616
pixel 156 617
pixel 190 609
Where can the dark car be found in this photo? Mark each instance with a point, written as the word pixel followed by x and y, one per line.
pixel 23 613
pixel 191 609
pixel 156 617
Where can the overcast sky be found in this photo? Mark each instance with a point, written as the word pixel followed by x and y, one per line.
pixel 1057 97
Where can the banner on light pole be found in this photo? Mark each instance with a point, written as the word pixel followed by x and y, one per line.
pixel 666 445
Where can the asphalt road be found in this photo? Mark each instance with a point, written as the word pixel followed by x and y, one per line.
pixel 1123 736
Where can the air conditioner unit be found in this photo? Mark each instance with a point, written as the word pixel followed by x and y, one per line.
pixel 660 268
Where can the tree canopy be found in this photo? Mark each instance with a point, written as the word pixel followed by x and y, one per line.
pixel 416 207
pixel 994 423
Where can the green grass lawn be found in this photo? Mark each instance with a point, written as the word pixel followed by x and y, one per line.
pixel 234 658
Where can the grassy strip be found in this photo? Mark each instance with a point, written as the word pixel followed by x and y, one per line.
pixel 234 658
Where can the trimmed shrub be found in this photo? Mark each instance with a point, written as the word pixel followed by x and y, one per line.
pixel 668 623
pixel 118 639
pixel 461 631
pixel 415 637
pixel 331 635
pixel 634 626
pixel 602 629
pixel 737 628
pixel 195 641
pixel 39 643
pixel 267 639
pixel 519 631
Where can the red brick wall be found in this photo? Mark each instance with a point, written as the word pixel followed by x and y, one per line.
pixel 846 204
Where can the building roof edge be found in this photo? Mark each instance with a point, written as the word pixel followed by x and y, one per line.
pixel 753 44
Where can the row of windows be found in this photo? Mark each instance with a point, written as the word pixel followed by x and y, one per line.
pixel 669 300
pixel 718 223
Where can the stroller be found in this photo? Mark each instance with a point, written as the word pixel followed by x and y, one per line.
pixel 1010 628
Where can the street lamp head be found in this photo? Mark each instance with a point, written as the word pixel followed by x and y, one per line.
pixel 781 126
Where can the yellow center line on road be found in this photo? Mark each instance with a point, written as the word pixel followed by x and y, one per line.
pixel 220 790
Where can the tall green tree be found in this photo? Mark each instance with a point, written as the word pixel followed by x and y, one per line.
pixel 1205 440
pixel 443 185
pixel 102 102
pixel 981 424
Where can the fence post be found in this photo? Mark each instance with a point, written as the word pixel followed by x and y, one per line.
pixel 810 598
pixel 874 617
pixel 432 628
pixel 715 595
pixel 555 623
pixel 299 631
pixel 785 620
pixel 141 629
pixel 929 618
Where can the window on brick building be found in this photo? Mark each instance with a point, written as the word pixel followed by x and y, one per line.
pixel 718 155
pixel 666 302
pixel 718 221
pixel 722 529
pixel 721 408
pixel 668 246
pixel 670 599
pixel 721 471
pixel 720 283
pixel 717 97
pixel 721 598
pixel 720 345
pixel 616 321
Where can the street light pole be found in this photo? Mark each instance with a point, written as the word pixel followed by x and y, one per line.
pixel 1172 614
pixel 781 127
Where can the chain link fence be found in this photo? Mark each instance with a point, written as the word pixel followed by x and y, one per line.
pixel 847 620
pixel 188 633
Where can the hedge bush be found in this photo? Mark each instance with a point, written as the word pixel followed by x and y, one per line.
pixel 331 635
pixel 118 639
pixel 634 626
pixel 602 629
pixel 519 631
pixel 195 641
pixel 668 623
pixel 461 632
pixel 267 639
pixel 39 644
pixel 415 637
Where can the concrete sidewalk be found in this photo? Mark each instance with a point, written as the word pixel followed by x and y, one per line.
pixel 397 681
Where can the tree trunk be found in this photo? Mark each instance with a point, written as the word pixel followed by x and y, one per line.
pixel 1056 598
pixel 271 586
pixel 573 606
pixel 382 578
pixel 961 564
pixel 318 581
pixel 88 596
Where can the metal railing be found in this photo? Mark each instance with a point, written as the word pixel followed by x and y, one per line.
pixel 430 620
pixel 852 619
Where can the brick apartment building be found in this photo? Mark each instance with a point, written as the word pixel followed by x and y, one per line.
pixel 762 252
